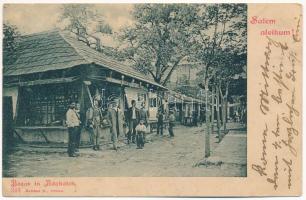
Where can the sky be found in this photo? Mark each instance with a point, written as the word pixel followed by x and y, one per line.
pixel 32 18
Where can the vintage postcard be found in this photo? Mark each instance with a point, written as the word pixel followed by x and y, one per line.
pixel 151 99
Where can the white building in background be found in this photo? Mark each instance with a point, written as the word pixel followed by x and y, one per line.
pixel 184 75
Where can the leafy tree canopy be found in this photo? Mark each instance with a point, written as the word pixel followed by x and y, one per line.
pixel 10 43
pixel 160 39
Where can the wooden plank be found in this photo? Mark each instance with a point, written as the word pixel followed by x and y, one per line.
pixel 43 81
pixel 41 127
pixel 122 82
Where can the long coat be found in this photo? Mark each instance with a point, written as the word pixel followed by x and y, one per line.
pixel 112 117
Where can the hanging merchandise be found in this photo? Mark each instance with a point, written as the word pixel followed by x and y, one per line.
pixel 139 95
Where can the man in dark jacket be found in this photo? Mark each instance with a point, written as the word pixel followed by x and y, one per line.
pixel 160 121
pixel 144 114
pixel 133 118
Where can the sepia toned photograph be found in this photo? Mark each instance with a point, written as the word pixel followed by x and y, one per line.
pixel 124 90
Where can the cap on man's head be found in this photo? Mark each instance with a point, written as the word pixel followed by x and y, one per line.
pixel 96 98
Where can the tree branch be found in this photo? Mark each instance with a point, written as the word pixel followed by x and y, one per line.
pixel 164 69
pixel 152 74
pixel 172 69
pixel 221 93
pixel 222 34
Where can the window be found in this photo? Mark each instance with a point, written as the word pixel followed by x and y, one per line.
pixel 46 104
pixel 153 102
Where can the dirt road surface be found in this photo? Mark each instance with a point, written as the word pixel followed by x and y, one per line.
pixel 162 156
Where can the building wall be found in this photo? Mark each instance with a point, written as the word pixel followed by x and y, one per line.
pixel 60 135
pixel 12 92
pixel 184 72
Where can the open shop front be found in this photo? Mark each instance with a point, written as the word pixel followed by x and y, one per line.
pixel 41 109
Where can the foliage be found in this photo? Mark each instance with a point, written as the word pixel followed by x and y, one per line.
pixel 222 40
pixel 160 38
pixel 165 35
pixel 10 43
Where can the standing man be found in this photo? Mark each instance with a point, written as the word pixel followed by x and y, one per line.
pixel 166 109
pixel 78 135
pixel 160 121
pixel 171 123
pixel 120 119
pixel 94 120
pixel 116 119
pixel 73 123
pixel 89 125
pixel 144 114
pixel 133 117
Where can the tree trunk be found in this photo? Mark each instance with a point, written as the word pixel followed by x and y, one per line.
pixel 218 112
pixel 207 116
pixel 212 109
pixel 222 110
pixel 225 108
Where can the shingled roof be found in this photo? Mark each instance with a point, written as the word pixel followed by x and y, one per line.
pixel 54 50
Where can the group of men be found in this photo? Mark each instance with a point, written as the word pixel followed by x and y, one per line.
pixel 114 118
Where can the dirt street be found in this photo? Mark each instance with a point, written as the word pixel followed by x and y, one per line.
pixel 162 156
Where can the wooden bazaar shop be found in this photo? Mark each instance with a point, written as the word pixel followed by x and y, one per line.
pixel 52 69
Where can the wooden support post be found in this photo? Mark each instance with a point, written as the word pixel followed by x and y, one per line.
pixel 82 103
pixel 89 95
pixel 17 109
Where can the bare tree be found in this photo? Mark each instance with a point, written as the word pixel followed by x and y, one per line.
pixel 84 21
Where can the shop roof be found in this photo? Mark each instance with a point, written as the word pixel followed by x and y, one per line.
pixel 55 50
